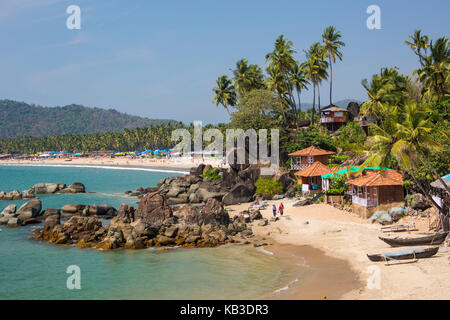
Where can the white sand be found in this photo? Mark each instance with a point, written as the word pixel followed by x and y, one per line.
pixel 345 236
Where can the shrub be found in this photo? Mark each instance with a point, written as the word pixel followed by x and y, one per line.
pixel 337 186
pixel 211 174
pixel 268 187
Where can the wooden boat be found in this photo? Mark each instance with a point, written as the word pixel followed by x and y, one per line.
pixel 404 255
pixel 427 239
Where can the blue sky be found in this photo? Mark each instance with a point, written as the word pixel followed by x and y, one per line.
pixel 161 59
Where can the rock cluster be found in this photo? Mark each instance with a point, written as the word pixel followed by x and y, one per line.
pixel 104 210
pixel 139 192
pixel 43 188
pixel 154 223
pixel 28 213
pixel 234 185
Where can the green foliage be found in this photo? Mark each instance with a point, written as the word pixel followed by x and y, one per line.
pixel 352 138
pixel 18 119
pixel 337 185
pixel 212 174
pixel 268 187
pixel 258 109
pixel 306 138
pixel 337 159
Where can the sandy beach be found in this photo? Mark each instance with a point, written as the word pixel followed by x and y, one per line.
pixel 344 236
pixel 178 164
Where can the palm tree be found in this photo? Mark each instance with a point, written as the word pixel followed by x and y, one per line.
pixel 331 46
pixel 246 77
pixel 405 141
pixel 418 43
pixel 315 69
pixel 224 93
pixel 281 60
pixel 435 70
pixel 298 80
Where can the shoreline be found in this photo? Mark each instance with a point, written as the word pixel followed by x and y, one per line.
pixel 163 167
pixel 346 237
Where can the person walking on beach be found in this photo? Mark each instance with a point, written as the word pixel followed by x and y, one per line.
pixel 281 209
pixel 274 209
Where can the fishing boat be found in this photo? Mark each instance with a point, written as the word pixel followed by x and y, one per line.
pixel 426 239
pixel 404 255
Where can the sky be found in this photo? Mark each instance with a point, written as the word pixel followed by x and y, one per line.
pixel 160 59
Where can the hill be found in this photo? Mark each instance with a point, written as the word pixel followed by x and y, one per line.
pixel 21 119
pixel 341 104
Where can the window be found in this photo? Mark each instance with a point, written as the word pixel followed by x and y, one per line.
pixel 375 191
pixel 299 160
pixel 310 160
pixel 339 114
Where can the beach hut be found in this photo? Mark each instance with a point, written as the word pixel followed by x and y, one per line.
pixel 306 157
pixel 376 191
pixel 333 117
pixel 310 178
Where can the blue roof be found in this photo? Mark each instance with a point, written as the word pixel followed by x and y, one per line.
pixel 352 169
pixel 446 177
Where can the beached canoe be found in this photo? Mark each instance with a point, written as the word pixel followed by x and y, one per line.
pixel 404 255
pixel 428 239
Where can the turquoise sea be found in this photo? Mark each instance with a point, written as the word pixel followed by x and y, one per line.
pixel 36 270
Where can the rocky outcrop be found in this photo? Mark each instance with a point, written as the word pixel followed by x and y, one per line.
pixel 154 223
pixel 420 202
pixel 42 188
pixel 76 187
pixel 234 185
pixel 28 213
pixel 104 210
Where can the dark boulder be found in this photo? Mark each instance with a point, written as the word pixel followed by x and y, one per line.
pixel 238 194
pixel 153 209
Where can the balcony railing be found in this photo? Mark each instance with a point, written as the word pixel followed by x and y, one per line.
pixel 299 166
pixel 331 119
pixel 364 201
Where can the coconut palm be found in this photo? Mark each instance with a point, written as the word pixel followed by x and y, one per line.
pixel 246 77
pixel 224 93
pixel 299 82
pixel 418 43
pixel 406 141
pixel 331 45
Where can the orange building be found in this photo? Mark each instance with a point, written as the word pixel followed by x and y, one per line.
pixel 306 157
pixel 375 190
pixel 310 177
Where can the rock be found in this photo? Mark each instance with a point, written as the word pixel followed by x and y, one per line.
pixel 420 202
pixel 13 222
pixel 410 212
pixel 353 110
pixel 396 213
pixel 213 213
pixel 4 220
pixel 128 192
pixel 153 210
pixel 382 217
pixel 28 194
pixel 255 215
pixel 30 209
pixel 171 231
pixel 278 197
pixel 291 192
pixel 15 195
pixel 197 171
pixel 73 208
pixel 76 187
pixel 102 210
pixel 42 188
pixel 263 223
pixel 164 240
pixel 204 195
pixel 304 202
pixel 238 194
pixel 287 180
pixel 10 209
pixel 31 221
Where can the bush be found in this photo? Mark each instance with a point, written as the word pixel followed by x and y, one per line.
pixel 211 174
pixel 337 186
pixel 268 187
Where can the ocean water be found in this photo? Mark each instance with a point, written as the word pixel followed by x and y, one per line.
pixel 36 270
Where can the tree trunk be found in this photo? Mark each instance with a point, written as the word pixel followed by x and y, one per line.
pixel 331 80
pixel 314 102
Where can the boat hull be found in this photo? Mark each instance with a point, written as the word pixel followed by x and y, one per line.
pixel 433 239
pixel 425 253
